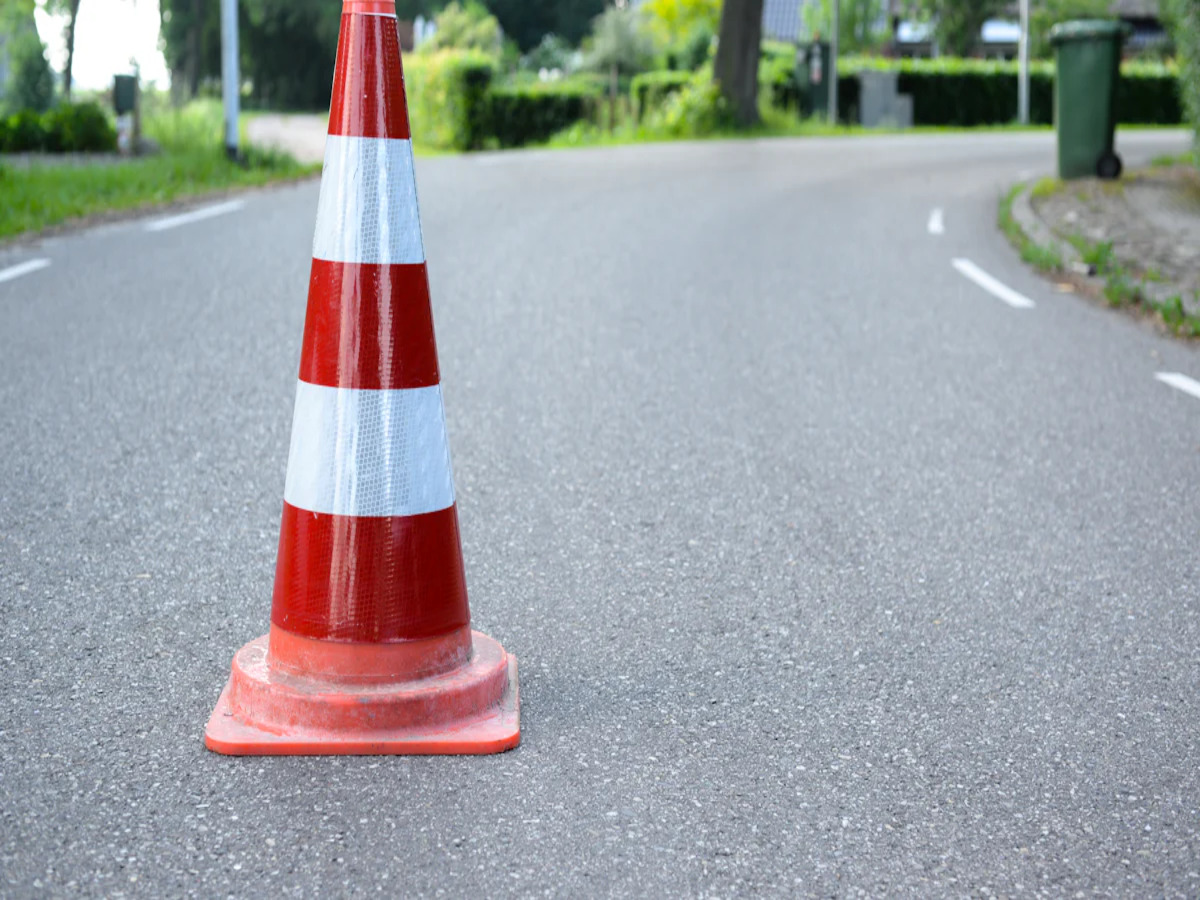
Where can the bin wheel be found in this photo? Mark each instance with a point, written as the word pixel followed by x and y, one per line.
pixel 1109 166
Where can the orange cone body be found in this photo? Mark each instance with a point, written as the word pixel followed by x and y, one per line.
pixel 370 648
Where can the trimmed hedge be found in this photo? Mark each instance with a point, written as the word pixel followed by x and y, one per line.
pixel 455 105
pixel 448 98
pixel 650 89
pixel 523 115
pixel 69 128
pixel 958 92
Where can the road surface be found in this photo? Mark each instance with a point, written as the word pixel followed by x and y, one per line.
pixel 832 567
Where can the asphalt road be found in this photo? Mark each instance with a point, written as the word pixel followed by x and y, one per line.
pixel 829 572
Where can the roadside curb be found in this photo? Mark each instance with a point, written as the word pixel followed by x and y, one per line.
pixel 1039 232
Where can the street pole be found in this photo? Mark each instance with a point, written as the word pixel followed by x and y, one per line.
pixel 833 63
pixel 1023 64
pixel 230 78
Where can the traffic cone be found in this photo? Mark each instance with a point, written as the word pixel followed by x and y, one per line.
pixel 370 648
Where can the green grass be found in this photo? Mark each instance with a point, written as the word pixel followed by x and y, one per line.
pixel 1178 159
pixel 1047 259
pixel 192 163
pixel 774 122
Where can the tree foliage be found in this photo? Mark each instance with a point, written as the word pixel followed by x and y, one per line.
pixel 1045 14
pixel 32 83
pixel 861 23
pixel 528 21
pixel 287 48
pixel 958 23
pixel 618 40
pixel 466 26
pixel 672 22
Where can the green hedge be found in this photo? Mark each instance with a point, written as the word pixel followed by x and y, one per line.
pixel 958 92
pixel 69 128
pixel 650 89
pixel 448 98
pixel 454 103
pixel 523 115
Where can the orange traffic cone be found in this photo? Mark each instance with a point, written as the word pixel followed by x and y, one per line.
pixel 370 648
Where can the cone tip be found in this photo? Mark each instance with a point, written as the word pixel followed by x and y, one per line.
pixel 369 7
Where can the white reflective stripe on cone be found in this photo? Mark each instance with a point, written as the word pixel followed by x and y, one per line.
pixel 368 207
pixel 369 453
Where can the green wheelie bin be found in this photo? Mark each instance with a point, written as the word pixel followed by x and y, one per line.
pixel 1088 60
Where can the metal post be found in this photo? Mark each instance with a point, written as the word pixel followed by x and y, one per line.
pixel 833 63
pixel 1023 65
pixel 230 79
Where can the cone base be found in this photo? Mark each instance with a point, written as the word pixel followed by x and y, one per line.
pixel 472 710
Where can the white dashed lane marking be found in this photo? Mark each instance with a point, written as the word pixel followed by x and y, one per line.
pixel 992 286
pixel 1180 382
pixel 196 215
pixel 24 268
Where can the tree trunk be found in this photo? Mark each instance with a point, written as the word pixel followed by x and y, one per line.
pixel 736 65
pixel 70 36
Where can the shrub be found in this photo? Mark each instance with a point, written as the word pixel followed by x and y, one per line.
pixel 448 98
pixel 777 75
pixel 530 114
pixel 697 109
pixel 650 89
pixel 79 128
pixel 1184 18
pixel 26 134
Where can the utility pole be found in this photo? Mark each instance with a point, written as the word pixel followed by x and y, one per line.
pixel 833 62
pixel 1023 65
pixel 230 78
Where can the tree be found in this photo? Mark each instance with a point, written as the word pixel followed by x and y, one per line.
pixel 859 23
pixel 465 27
pixel 618 42
pixel 69 8
pixel 1045 14
pixel 736 66
pixel 528 21
pixel 32 83
pixel 672 22
pixel 958 23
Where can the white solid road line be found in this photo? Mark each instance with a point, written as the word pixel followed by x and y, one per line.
pixel 24 268
pixel 992 286
pixel 196 215
pixel 1180 382
pixel 936 223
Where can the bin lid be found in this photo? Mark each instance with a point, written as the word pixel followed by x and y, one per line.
pixel 1089 30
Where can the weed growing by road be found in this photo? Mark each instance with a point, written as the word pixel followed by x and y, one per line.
pixel 1047 259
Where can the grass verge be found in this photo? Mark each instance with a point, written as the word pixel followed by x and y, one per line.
pixel 192 163
pixel 1122 287
pixel 1046 259
pixel 774 122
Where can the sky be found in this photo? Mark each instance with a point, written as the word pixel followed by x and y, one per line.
pixel 108 35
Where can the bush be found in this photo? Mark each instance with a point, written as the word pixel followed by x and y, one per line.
pixel 448 98
pixel 777 75
pixel 1184 19
pixel 650 89
pixel 79 128
pixel 26 134
pixel 695 110
pixel 530 114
